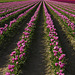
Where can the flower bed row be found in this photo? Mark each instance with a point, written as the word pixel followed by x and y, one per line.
pixel 7 27
pixel 64 28
pixel 69 25
pixel 8 36
pixel 57 55
pixel 10 6
pixel 14 15
pixel 19 55
pixel 7 11
pixel 62 6
pixel 69 15
pixel 66 5
pixel 17 11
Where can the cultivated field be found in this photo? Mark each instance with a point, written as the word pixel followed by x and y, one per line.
pixel 37 38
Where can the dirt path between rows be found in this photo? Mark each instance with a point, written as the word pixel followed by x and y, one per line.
pixel 66 46
pixel 39 61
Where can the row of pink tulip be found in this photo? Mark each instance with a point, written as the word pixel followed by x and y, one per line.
pixel 10 6
pixel 55 49
pixel 66 12
pixel 7 15
pixel 62 6
pixel 64 18
pixel 7 27
pixel 19 54
pixel 7 11
pixel 66 5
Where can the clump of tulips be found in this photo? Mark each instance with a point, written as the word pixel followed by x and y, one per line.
pixel 57 56
pixel 19 54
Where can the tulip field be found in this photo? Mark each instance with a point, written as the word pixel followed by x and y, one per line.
pixel 37 37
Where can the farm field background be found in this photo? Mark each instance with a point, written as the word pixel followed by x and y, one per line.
pixel 37 37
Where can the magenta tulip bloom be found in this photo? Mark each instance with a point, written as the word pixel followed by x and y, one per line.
pixel 61 71
pixel 9 67
pixel 52 40
pixel 13 59
pixel 7 73
pixel 12 70
pixel 56 64
pixel 12 66
pixel 16 62
pixel 57 73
